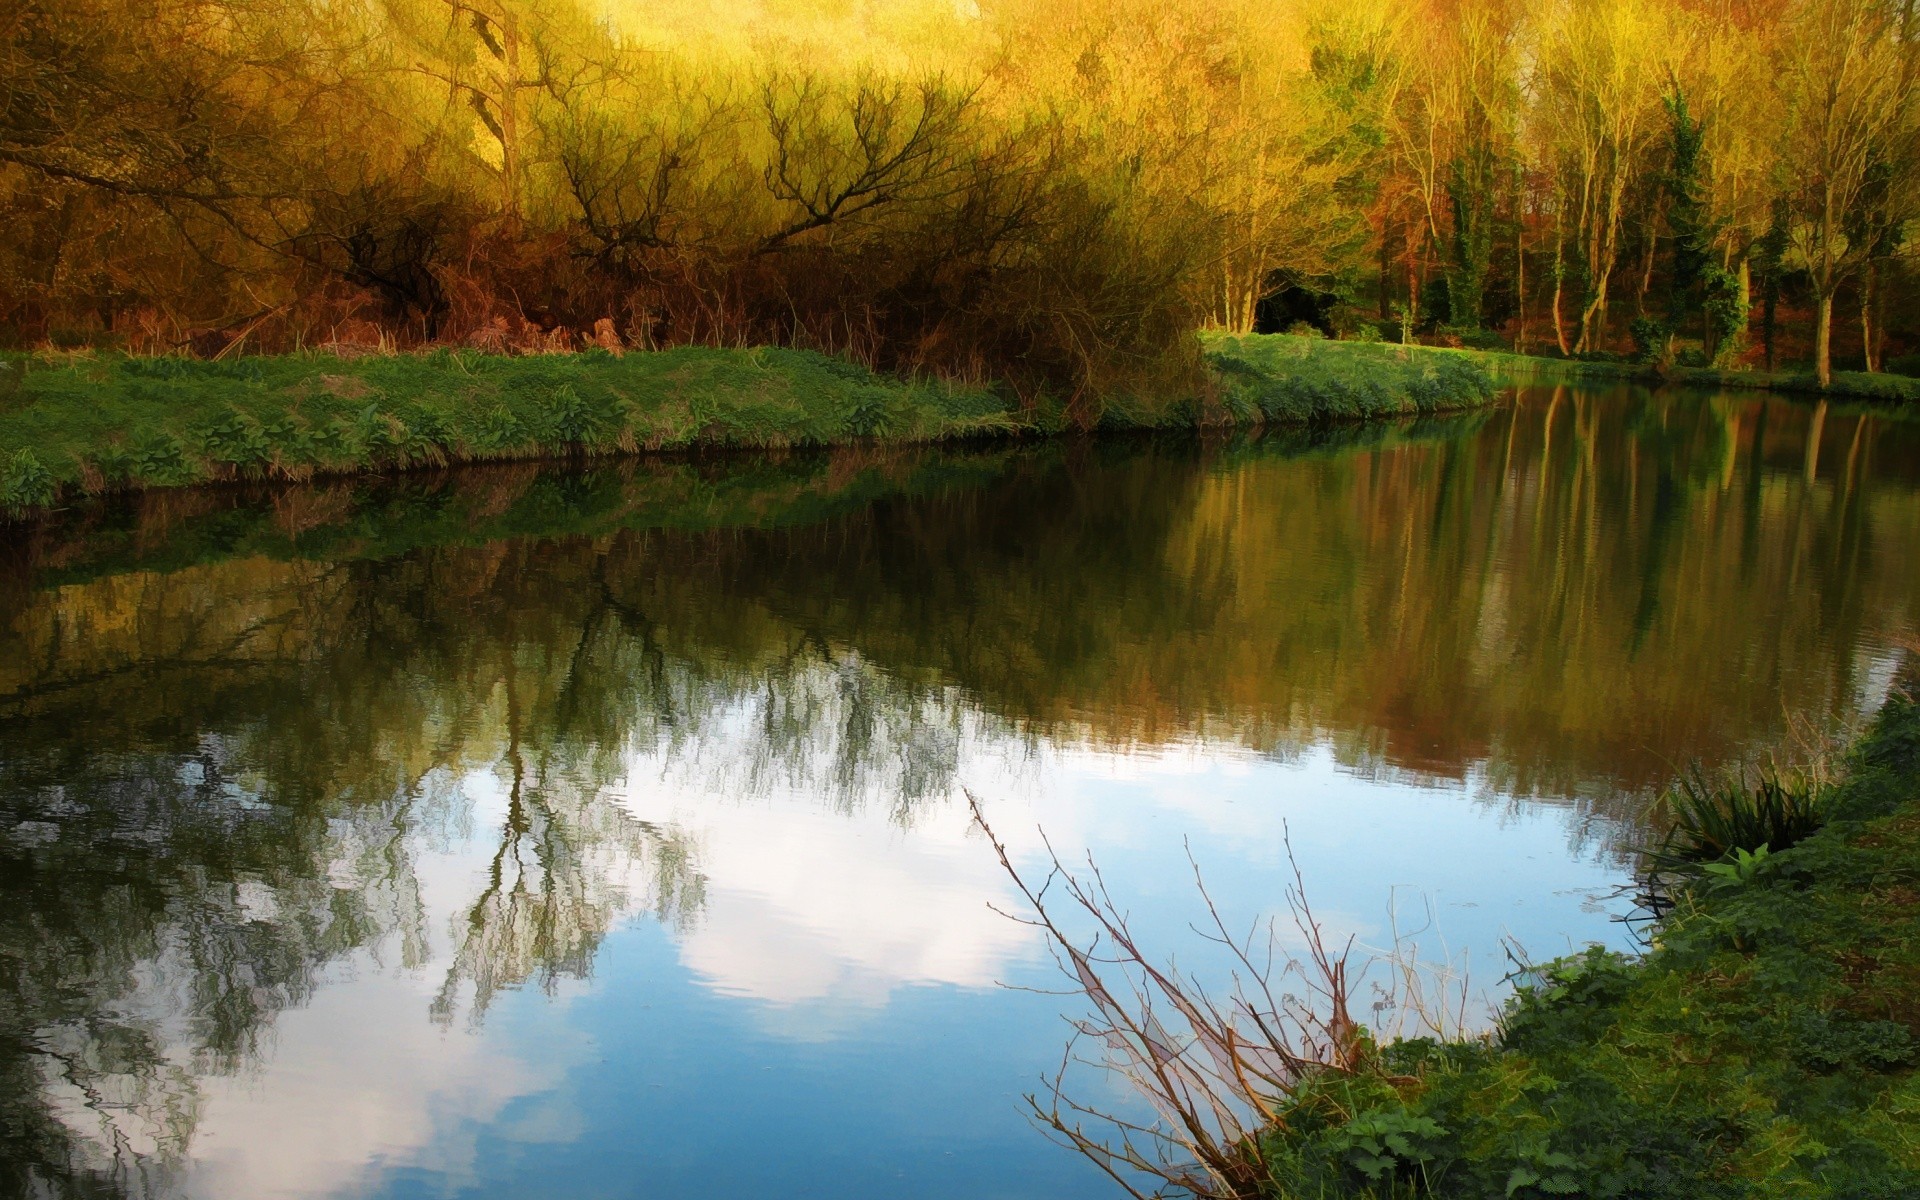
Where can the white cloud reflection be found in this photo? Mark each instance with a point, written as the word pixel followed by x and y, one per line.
pixel 817 907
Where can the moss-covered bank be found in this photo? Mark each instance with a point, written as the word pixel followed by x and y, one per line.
pixel 1765 1046
pixel 94 423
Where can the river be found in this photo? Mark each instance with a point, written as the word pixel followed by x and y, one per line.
pixel 541 831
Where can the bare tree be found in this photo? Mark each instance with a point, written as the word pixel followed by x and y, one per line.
pixel 835 158
pixel 1217 1070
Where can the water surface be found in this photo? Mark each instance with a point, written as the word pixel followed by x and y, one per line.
pixel 602 832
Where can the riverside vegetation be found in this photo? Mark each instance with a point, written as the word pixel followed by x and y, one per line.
pixel 903 201
pixel 1054 194
pixel 92 423
pixel 1767 1043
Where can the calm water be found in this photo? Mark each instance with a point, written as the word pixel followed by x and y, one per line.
pixel 536 833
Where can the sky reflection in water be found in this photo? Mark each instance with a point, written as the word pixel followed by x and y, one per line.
pixel 354 847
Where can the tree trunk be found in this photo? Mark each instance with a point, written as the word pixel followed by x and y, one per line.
pixel 1646 273
pixel 1386 269
pixel 1559 271
pixel 1867 290
pixel 1769 305
pixel 1519 275
pixel 1823 340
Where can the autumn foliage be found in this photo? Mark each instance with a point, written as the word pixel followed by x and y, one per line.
pixel 1053 194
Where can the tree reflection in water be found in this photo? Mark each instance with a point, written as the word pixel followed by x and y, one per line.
pixel 218 773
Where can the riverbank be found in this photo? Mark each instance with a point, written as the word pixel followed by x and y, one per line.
pixel 73 425
pixel 1516 370
pixel 1766 1045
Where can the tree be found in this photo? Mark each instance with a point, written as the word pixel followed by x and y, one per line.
pixel 1847 67
pixel 1599 73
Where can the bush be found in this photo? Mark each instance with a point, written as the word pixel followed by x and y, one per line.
pixel 1714 818
pixel 1726 315
pixel 25 483
pixel 1472 337
pixel 1650 339
pixel 1350 323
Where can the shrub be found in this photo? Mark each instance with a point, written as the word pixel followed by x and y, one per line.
pixel 1710 819
pixel 1472 337
pixel 25 482
pixel 1650 339
pixel 1726 315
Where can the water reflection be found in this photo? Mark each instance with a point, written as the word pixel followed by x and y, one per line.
pixel 343 768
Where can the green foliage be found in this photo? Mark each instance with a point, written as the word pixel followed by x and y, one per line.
pixel 1766 1045
pixel 115 421
pixel 1286 378
pixel 25 482
pixel 1540 1170
pixel 1689 215
pixel 1714 818
pixel 1826 1042
pixel 1726 313
pixel 1473 337
pixel 1382 1144
pixel 1472 178
pixel 1742 867
pixel 1651 339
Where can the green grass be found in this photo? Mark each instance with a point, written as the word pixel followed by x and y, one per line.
pixel 1765 1046
pixel 1513 370
pixel 100 423
pixel 1850 385
pixel 92 423
pixel 1711 819
pixel 1279 377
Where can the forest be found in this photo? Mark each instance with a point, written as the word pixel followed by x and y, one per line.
pixel 1052 195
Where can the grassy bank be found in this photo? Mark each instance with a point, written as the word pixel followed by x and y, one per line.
pixel 1513 370
pixel 86 424
pixel 1765 1046
pixel 1277 377
pixel 102 423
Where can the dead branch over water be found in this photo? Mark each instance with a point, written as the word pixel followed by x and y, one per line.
pixel 1215 1066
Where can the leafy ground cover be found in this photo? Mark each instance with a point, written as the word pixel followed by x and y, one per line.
pixel 1765 1045
pixel 91 423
